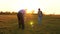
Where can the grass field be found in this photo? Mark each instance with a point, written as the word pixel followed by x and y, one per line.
pixel 50 25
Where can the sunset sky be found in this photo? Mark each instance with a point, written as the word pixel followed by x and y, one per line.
pixel 47 6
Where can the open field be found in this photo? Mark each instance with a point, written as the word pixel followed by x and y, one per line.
pixel 50 25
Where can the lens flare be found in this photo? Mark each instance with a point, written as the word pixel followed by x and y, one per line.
pixel 31 23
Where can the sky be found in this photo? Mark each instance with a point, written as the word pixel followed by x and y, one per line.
pixel 46 6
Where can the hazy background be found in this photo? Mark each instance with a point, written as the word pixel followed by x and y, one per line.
pixel 47 6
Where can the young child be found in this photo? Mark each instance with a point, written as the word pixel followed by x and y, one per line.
pixel 40 14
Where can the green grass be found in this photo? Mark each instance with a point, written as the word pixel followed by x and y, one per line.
pixel 50 25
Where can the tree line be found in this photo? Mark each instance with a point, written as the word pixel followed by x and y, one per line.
pixel 8 13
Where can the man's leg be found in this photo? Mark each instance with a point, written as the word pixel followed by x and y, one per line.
pixel 23 26
pixel 19 24
pixel 39 20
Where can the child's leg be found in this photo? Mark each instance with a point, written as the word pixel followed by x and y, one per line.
pixel 39 20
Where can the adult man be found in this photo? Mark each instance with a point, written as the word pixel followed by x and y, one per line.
pixel 40 14
pixel 20 16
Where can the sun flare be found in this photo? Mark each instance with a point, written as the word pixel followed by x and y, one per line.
pixel 47 6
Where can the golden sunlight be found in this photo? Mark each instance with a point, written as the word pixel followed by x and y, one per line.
pixel 28 11
pixel 47 6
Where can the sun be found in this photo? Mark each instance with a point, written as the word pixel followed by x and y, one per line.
pixel 29 11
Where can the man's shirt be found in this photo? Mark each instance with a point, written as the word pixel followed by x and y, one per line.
pixel 40 13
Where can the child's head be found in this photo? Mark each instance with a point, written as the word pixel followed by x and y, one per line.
pixel 39 9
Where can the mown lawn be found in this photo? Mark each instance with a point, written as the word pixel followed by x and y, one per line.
pixel 50 25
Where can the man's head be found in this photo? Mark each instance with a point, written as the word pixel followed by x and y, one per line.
pixel 22 11
pixel 39 9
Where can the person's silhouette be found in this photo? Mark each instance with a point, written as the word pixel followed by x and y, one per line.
pixel 20 16
pixel 40 14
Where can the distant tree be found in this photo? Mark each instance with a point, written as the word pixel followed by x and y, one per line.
pixel 32 11
pixel 1 12
pixel 14 13
pixel 7 13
